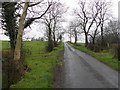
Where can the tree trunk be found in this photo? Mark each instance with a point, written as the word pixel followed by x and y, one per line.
pixel 86 40
pixel 95 33
pixel 70 39
pixel 94 37
pixel 101 34
pixel 75 40
pixel 55 43
pixel 93 41
pixel 13 37
pixel 54 27
pixel 75 37
pixel 17 52
pixel 12 43
pixel 50 41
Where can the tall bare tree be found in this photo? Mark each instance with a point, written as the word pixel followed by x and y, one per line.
pixel 87 14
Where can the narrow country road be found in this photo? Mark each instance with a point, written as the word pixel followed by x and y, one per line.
pixel 84 71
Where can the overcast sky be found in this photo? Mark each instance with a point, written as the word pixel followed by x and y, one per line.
pixel 37 31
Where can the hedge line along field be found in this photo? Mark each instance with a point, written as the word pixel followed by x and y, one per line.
pixel 42 64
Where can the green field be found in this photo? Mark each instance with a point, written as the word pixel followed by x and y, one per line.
pixel 5 45
pixel 104 56
pixel 41 63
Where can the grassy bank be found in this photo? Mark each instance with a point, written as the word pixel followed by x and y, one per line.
pixel 41 63
pixel 104 56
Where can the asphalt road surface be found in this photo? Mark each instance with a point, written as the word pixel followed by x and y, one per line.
pixel 0 65
pixel 84 71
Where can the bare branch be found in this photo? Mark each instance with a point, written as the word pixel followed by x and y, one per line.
pixel 34 4
pixel 30 20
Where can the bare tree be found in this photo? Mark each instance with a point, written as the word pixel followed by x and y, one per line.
pixel 57 11
pixel 47 21
pixel 69 32
pixel 95 32
pixel 104 16
pixel 75 29
pixel 23 23
pixel 59 33
pixel 87 15
pixel 52 20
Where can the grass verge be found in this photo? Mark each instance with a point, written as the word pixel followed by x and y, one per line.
pixel 42 65
pixel 103 56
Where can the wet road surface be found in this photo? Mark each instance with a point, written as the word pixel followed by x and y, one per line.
pixel 0 73
pixel 84 71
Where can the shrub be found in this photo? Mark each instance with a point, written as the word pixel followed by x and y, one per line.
pixel 118 52
pixel 116 48
pixel 94 48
